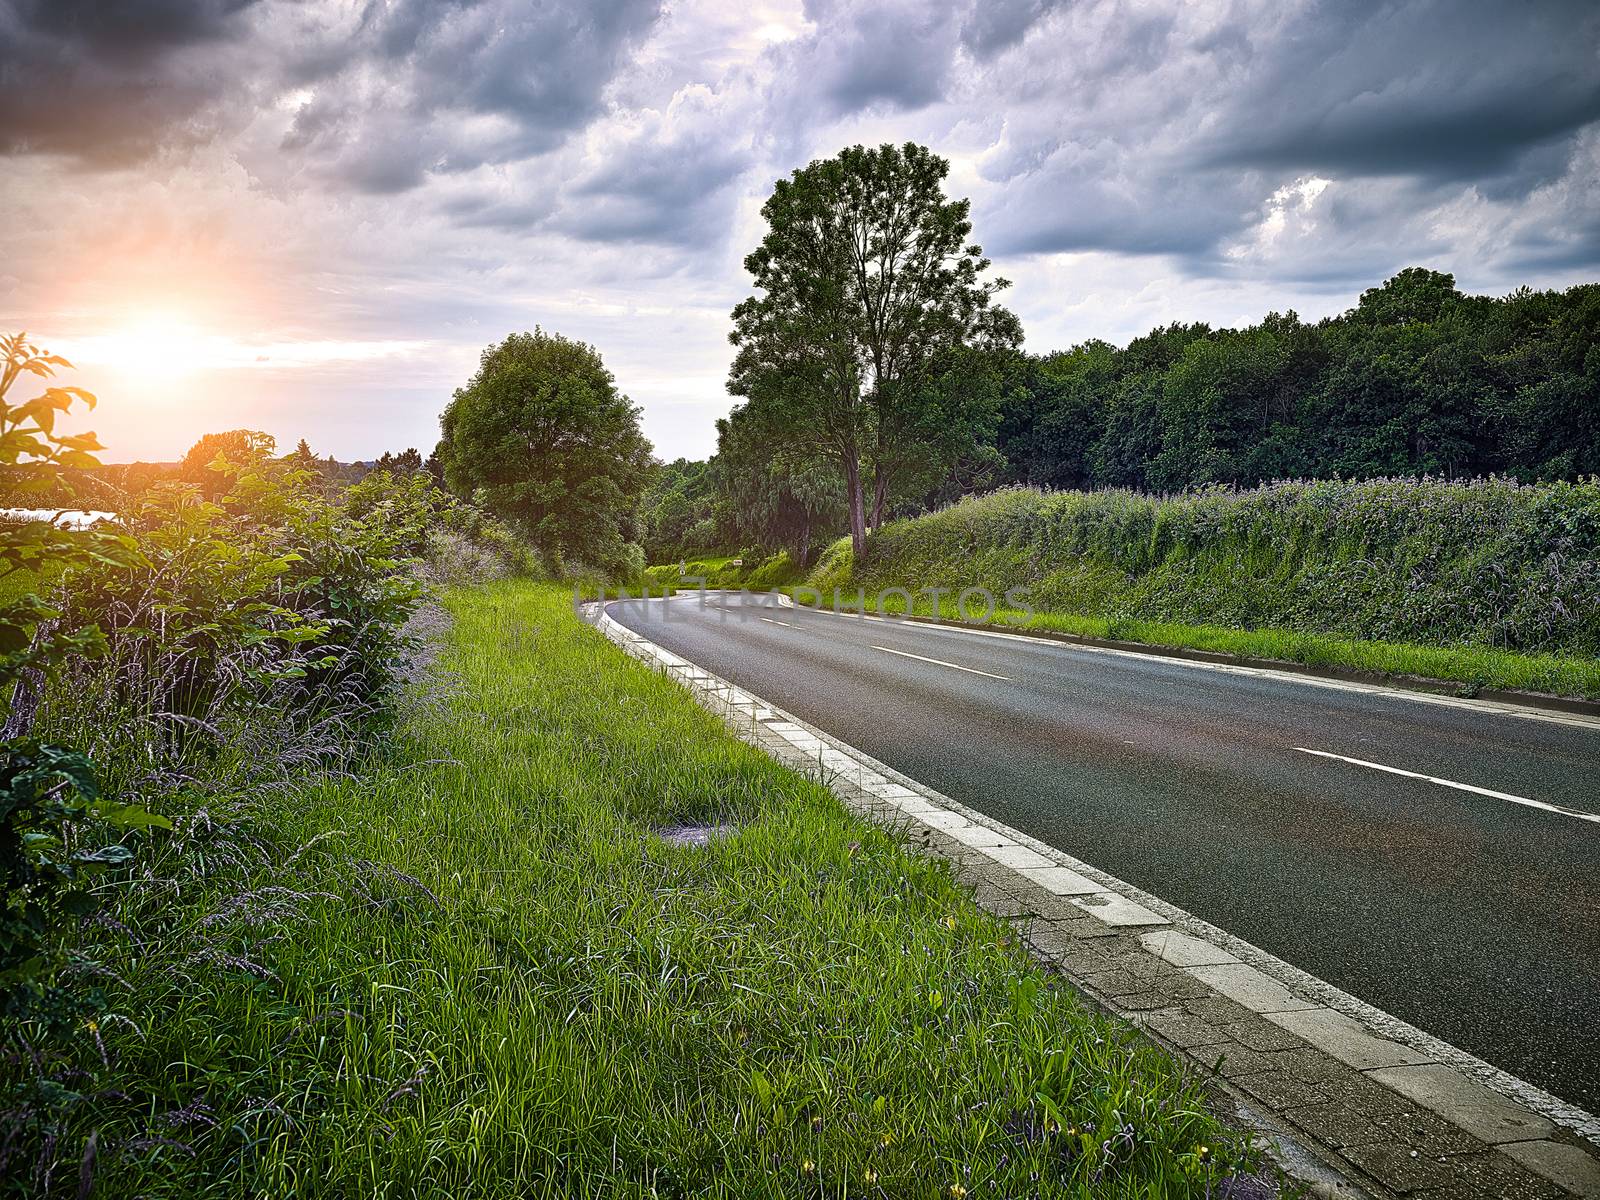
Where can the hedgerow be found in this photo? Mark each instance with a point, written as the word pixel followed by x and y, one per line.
pixel 1484 562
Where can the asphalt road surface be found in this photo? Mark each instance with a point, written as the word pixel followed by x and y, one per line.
pixel 1472 914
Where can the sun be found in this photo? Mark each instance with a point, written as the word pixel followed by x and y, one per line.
pixel 152 346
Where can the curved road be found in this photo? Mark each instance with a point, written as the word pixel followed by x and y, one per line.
pixel 1273 808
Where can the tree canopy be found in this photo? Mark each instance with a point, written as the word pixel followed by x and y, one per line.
pixel 865 277
pixel 1416 378
pixel 544 438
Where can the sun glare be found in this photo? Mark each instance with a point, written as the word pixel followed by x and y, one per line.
pixel 156 347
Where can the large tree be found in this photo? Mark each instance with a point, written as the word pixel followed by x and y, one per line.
pixel 866 277
pixel 542 435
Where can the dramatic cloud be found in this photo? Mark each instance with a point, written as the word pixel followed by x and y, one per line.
pixel 110 79
pixel 375 189
pixel 1449 89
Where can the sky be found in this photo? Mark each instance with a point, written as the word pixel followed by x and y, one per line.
pixel 311 217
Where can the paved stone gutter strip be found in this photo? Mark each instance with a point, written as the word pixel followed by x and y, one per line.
pixel 1350 1100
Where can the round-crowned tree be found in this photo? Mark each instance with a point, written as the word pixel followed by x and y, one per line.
pixel 543 439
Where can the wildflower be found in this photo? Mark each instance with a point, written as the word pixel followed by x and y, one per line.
pixel 807 1167
pixel 950 921
pixel 957 1191
pixel 871 1177
pixel 886 1140
pixel 816 1123
pixel 1202 1152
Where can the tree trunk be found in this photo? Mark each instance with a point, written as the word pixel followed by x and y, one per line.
pixel 880 495
pixel 858 524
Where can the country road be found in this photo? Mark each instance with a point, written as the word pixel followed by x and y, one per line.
pixel 1438 861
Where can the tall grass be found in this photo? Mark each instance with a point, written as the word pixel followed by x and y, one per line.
pixel 469 967
pixel 1488 582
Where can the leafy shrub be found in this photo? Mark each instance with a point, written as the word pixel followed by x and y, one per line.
pixel 1485 562
pixel 458 541
pixel 269 599
pixel 47 791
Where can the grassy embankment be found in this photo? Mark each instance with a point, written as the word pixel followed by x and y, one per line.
pixel 1486 584
pixel 729 571
pixel 472 968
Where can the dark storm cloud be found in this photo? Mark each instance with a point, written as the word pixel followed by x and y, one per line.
pixel 1176 138
pixel 98 78
pixel 448 86
pixel 669 191
pixel 992 27
pixel 1093 126
pixel 414 86
pixel 1453 89
pixel 896 56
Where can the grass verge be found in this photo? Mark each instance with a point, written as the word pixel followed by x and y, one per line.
pixel 1474 668
pixel 472 968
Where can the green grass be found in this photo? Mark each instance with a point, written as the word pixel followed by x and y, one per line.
pixel 473 969
pixel 1472 667
pixel 753 572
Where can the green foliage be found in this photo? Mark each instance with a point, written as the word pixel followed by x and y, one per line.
pixel 198 468
pixel 44 789
pixel 270 583
pixel 412 517
pixel 50 810
pixel 751 570
pixel 475 970
pixel 772 500
pixel 675 512
pixel 1418 378
pixel 1486 563
pixel 542 435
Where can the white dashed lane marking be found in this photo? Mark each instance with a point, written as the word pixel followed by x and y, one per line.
pixel 1462 787
pixel 941 663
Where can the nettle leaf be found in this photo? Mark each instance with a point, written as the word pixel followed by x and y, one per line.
pixel 129 816
pixel 114 855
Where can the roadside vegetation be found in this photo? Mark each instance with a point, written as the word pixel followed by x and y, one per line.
pixel 473 968
pixel 1417 379
pixel 1488 583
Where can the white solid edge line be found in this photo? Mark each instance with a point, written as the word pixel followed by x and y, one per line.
pixel 770 621
pixel 941 662
pixel 1467 704
pixel 1451 783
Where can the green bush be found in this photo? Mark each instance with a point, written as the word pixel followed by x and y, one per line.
pixel 1487 562
pixel 54 822
pixel 459 542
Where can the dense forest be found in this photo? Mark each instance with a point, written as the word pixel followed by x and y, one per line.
pixel 1417 379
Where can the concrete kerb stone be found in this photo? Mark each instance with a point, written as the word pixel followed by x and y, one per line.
pixel 1500 1113
pixel 1486 1115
